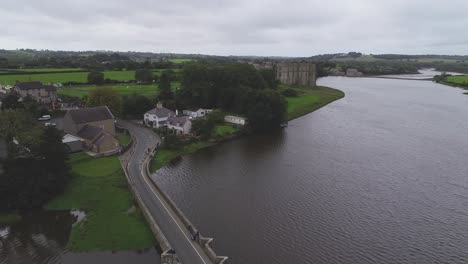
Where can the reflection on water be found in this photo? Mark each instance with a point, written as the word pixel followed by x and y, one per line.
pixel 41 238
pixel 379 176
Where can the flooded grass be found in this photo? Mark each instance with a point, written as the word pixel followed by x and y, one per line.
pixel 96 188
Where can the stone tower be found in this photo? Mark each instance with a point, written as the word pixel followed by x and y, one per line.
pixel 296 73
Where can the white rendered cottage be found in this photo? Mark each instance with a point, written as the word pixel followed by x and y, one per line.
pixel 197 113
pixel 158 116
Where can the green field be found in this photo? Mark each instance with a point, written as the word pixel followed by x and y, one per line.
pixel 458 79
pixel 180 60
pixel 46 78
pixel 100 189
pixel 79 76
pixel 310 99
pixel 149 91
pixel 43 70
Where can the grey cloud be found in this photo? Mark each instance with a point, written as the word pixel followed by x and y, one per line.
pixel 243 27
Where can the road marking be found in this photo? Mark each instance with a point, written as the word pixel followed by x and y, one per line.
pixel 185 235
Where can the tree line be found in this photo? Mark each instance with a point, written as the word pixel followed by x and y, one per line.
pixel 35 169
pixel 236 88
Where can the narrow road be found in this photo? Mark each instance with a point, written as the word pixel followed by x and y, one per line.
pixel 176 233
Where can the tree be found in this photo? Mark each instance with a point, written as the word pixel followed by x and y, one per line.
pixel 165 92
pixel 269 76
pixel 144 76
pixel 267 110
pixel 11 102
pixel 96 77
pixel 105 96
pixel 35 170
pixel 136 105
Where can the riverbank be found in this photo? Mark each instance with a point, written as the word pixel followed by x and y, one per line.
pixel 308 100
pixel 99 188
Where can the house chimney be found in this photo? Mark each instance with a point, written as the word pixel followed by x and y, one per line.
pixel 159 105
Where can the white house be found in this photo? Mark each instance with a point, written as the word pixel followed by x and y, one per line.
pixel 158 116
pixel 197 113
pixel 179 125
pixel 237 120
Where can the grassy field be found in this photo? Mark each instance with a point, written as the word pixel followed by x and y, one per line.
pixel 458 79
pixel 43 70
pixel 164 156
pixel 100 189
pixel 79 77
pixel 310 99
pixel 123 89
pixel 11 79
pixel 180 60
pixel 224 130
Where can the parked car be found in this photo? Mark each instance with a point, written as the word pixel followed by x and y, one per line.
pixel 50 124
pixel 44 118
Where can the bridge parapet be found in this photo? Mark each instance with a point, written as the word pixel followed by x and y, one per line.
pixel 204 242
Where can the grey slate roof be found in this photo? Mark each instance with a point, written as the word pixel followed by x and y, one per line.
pixel 161 112
pixel 177 121
pixel 28 85
pixel 50 88
pixel 93 114
pixel 34 85
pixel 89 132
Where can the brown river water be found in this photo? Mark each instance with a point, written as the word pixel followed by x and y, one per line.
pixel 380 176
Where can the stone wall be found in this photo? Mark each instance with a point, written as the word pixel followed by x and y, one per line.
pixel 296 73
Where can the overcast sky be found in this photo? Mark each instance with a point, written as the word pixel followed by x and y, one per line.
pixel 238 27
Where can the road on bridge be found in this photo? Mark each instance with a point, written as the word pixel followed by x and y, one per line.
pixel 176 233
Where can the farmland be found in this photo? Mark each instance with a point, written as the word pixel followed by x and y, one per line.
pixel 458 79
pixel 44 70
pixel 63 75
pixel 148 90
pixel 180 60
pixel 81 91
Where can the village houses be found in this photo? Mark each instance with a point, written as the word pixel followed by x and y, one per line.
pixel 44 94
pixel 162 117
pixel 95 126
pixel 197 113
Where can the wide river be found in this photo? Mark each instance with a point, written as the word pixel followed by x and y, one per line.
pixel 380 176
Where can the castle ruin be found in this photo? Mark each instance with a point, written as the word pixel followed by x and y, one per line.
pixel 296 73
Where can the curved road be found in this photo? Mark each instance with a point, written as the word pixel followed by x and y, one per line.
pixel 176 233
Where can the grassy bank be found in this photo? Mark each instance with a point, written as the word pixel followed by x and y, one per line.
pixel 164 156
pixel 100 189
pixel 123 138
pixel 310 99
pixel 9 218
